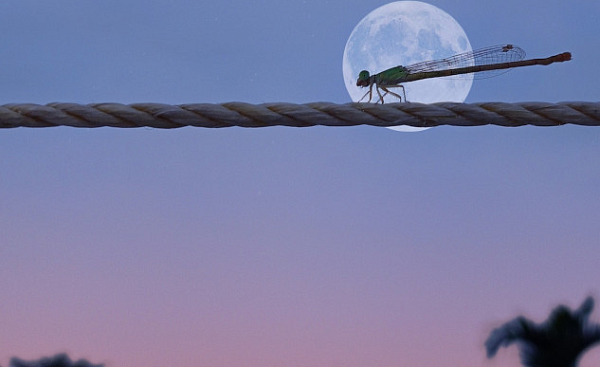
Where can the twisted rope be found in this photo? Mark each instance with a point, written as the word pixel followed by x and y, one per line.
pixel 166 116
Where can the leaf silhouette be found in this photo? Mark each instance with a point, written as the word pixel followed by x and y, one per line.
pixel 558 342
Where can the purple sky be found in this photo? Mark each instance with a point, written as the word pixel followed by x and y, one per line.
pixel 280 246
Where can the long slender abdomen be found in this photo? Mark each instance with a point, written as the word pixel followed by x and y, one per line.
pixel 565 56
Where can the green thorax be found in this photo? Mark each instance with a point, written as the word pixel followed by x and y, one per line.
pixel 392 76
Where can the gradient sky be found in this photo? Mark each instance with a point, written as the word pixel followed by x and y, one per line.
pixel 349 247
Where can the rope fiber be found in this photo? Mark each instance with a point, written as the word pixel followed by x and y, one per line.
pixel 165 116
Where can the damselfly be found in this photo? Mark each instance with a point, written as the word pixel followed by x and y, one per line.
pixel 486 59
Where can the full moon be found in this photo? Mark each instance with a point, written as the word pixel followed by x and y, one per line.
pixel 404 33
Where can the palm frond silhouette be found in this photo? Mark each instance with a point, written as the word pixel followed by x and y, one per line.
pixel 558 342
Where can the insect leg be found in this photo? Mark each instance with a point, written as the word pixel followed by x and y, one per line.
pixel 395 94
pixel 369 93
pixel 379 93
pixel 383 96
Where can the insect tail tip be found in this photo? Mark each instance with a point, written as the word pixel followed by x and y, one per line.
pixel 566 56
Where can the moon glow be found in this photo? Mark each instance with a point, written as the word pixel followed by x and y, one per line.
pixel 404 33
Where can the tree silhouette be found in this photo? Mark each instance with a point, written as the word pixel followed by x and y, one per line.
pixel 558 342
pixel 59 360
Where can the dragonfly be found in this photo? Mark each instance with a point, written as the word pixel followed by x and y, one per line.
pixel 498 58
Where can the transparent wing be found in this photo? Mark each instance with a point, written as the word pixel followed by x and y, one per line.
pixel 483 56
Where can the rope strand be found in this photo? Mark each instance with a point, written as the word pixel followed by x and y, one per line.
pixel 165 116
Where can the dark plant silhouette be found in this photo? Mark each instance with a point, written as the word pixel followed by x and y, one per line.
pixel 558 342
pixel 59 360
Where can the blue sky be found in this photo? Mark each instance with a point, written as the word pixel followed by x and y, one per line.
pixel 283 246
